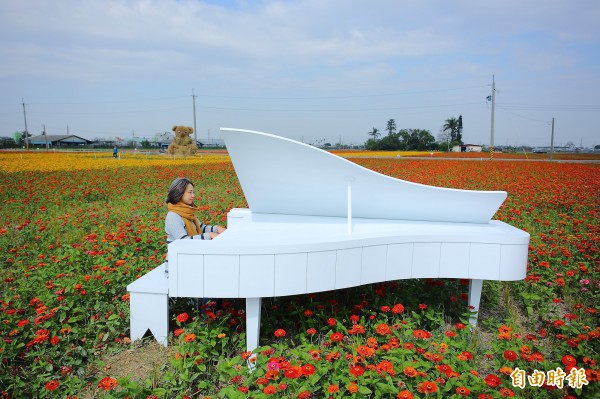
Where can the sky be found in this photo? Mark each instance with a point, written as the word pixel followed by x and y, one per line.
pixel 311 70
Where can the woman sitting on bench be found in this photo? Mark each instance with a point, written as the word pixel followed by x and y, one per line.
pixel 181 220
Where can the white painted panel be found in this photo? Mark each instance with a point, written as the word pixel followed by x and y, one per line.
pixel 257 276
pixel 399 261
pixel 373 264
pixel 348 268
pixel 221 276
pixel 454 261
pixel 320 273
pixel 290 274
pixel 512 258
pixel 190 276
pixel 484 262
pixel 426 260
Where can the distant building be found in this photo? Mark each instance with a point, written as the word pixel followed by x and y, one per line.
pixel 466 148
pixel 210 143
pixel 54 140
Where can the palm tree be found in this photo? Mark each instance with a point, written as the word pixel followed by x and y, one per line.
pixel 375 133
pixel 452 125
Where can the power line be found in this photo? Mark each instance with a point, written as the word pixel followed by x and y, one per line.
pixel 338 109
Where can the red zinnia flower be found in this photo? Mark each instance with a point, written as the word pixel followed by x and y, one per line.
pixel 279 333
pixel 405 395
pixel 421 334
pixel 182 317
pixel 510 355
pixel 352 388
pixel 427 387
pixel 189 337
pixel 269 390
pixel 336 337
pixel 304 395
pixel 52 385
pixel 107 383
pixel 463 391
pixel 569 360
pixel 357 371
pixel 492 380
pixel 308 369
pixel 293 372
pixel 398 308
pixel 333 388
pixel 383 329
pixel 311 331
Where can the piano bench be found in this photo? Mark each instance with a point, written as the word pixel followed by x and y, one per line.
pixel 149 305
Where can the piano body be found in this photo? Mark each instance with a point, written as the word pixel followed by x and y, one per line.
pixel 317 222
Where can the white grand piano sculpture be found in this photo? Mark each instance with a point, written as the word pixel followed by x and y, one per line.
pixel 318 222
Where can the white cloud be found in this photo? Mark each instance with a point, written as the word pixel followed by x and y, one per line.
pixel 300 48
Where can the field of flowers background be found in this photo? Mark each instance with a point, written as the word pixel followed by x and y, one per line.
pixel 77 228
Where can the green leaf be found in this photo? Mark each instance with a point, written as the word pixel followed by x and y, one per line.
pixel 364 390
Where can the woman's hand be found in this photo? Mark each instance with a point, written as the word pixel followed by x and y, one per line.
pixel 220 229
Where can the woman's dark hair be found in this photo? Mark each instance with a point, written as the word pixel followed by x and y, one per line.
pixel 177 190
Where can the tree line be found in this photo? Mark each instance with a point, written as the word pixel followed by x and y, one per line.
pixel 416 139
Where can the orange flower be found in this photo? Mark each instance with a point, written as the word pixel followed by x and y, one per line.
pixel 189 337
pixel 52 385
pixel 427 387
pixel 398 308
pixel 405 395
pixel 269 390
pixel 279 333
pixel 357 371
pixel 333 388
pixel 410 371
pixel 336 337
pixel 383 329
pixel 107 383
pixel 352 388
pixel 182 317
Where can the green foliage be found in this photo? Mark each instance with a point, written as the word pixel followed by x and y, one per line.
pixel 71 242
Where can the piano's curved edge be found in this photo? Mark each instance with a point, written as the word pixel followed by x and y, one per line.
pixel 282 176
pixel 224 271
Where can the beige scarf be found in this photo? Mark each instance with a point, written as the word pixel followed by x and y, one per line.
pixel 188 214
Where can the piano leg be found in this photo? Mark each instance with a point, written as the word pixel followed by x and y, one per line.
pixel 475 287
pixel 252 328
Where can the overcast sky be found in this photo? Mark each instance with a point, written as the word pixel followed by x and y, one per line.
pixel 311 70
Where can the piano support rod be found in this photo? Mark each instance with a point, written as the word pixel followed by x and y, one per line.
pixel 349 201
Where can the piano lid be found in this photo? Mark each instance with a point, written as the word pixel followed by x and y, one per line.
pixel 283 176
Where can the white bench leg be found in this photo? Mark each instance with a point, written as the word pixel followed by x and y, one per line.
pixel 475 287
pixel 252 327
pixel 149 311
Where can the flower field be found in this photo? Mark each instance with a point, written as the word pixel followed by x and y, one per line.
pixel 76 229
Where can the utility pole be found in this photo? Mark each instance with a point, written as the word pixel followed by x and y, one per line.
pixel 194 103
pixel 26 132
pixel 552 140
pixel 492 131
